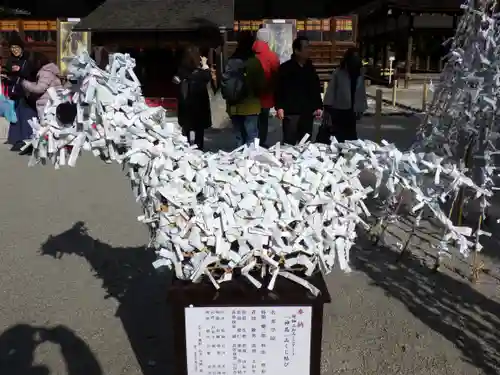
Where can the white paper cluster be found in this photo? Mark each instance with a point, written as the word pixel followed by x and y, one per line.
pixel 465 107
pixel 286 211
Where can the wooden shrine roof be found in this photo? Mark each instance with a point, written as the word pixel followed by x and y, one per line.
pixel 159 15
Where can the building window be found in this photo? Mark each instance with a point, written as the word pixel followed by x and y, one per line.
pixel 238 26
pixel 40 31
pixel 315 30
pixel 344 29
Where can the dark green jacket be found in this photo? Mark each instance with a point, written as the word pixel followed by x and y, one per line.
pixel 256 82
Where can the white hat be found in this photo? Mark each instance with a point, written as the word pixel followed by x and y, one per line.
pixel 264 35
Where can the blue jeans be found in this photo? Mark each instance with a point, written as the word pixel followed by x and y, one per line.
pixel 246 128
pixel 21 130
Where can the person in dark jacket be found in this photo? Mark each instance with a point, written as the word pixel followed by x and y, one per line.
pixel 298 93
pixel 18 68
pixel 193 102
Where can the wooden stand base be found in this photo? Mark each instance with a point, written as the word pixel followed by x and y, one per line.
pixel 239 293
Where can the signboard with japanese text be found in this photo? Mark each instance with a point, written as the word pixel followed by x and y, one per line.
pixel 344 31
pixel 248 340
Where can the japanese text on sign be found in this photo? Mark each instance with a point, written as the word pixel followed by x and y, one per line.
pixel 343 24
pixel 248 340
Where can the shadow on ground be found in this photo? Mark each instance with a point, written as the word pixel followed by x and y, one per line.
pixel 448 306
pixel 19 343
pixel 128 276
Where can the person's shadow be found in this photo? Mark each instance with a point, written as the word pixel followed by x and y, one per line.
pixel 18 345
pixel 128 276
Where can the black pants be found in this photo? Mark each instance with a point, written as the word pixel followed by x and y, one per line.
pixel 341 125
pixel 199 136
pixel 263 126
pixel 296 126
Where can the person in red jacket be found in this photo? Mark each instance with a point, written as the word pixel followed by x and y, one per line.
pixel 271 63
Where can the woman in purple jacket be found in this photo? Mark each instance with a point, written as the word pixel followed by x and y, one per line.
pixel 47 77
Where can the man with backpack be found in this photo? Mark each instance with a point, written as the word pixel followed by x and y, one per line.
pixel 241 84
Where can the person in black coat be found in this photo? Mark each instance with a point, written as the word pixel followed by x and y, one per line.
pixel 298 93
pixel 19 66
pixel 193 101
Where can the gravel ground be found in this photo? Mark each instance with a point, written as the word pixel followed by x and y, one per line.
pixel 78 296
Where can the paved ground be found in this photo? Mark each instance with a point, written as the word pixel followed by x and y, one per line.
pixel 78 295
pixel 411 97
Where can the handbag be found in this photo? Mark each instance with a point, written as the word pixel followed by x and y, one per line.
pixel 326 128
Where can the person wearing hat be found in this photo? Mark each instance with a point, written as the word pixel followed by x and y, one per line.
pixel 18 68
pixel 270 63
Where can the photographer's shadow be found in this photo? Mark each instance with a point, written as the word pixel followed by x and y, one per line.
pixel 128 276
pixel 19 343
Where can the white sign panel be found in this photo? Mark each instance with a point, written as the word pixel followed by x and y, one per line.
pixel 248 340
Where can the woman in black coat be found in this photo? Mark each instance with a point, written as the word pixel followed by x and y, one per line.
pixel 193 102
pixel 19 66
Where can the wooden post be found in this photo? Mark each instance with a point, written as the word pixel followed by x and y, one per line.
pixel 394 90
pixel 424 97
pixel 378 115
pixel 477 264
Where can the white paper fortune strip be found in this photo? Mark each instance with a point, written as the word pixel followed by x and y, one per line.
pixel 273 211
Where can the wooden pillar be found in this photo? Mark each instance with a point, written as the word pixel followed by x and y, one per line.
pixel 385 53
pixel 376 54
pixel 20 27
pixel 409 50
pixel 224 56
pixel 367 45
pixel 385 46
pixel 333 41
